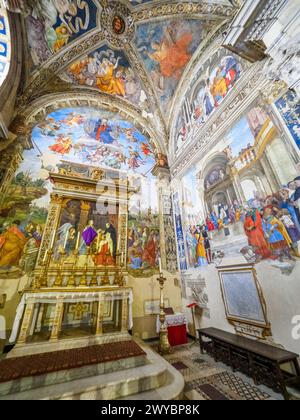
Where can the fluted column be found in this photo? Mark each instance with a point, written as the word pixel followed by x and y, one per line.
pixel 57 321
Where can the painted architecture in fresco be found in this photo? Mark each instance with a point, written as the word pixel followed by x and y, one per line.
pixel 245 199
pixel 166 49
pixel 87 140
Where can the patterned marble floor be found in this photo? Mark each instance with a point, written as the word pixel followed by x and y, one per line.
pixel 207 380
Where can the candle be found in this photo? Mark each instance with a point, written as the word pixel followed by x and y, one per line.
pixel 122 258
pixel 77 242
pixel 45 256
pixel 160 268
pixel 66 239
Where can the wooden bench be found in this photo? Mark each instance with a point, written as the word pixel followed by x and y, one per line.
pixel 262 362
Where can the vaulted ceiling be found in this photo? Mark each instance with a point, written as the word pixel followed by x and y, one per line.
pixel 134 54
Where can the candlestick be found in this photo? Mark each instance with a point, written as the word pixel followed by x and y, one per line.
pixel 122 258
pixel 164 345
pixel 66 239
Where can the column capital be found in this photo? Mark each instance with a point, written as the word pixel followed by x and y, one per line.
pixel 56 199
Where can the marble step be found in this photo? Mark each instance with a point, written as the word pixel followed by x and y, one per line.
pixel 65 344
pixel 173 389
pixel 69 375
pixel 153 375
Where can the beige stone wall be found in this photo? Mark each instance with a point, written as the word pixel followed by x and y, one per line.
pixel 146 289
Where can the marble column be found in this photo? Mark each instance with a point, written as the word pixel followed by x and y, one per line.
pixel 26 323
pixel 57 321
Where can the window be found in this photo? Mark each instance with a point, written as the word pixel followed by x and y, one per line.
pixel 5 46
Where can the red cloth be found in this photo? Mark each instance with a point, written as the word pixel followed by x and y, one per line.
pixel 177 335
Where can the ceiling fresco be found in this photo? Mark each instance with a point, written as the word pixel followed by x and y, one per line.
pixel 136 52
pixel 108 71
pixel 52 24
pixel 166 48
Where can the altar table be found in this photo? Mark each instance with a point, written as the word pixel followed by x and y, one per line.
pixel 177 331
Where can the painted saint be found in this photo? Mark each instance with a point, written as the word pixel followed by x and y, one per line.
pixel 12 242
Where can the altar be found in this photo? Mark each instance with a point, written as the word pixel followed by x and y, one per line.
pixel 79 286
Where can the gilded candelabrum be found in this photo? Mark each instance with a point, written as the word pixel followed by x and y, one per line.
pixel 164 345
pixel 119 279
pixel 72 279
pixel 43 280
pixel 105 280
pixel 94 280
pixel 59 278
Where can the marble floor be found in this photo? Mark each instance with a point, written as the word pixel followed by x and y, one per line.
pixel 207 380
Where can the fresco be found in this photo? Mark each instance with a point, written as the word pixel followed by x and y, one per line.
pixel 215 83
pixel 4 46
pixel 108 71
pixel 289 108
pixel 143 243
pixel 52 24
pixel 232 207
pixel 166 49
pixel 79 136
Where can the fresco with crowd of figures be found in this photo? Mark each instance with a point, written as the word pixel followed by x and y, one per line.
pixel 91 139
pixel 244 199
